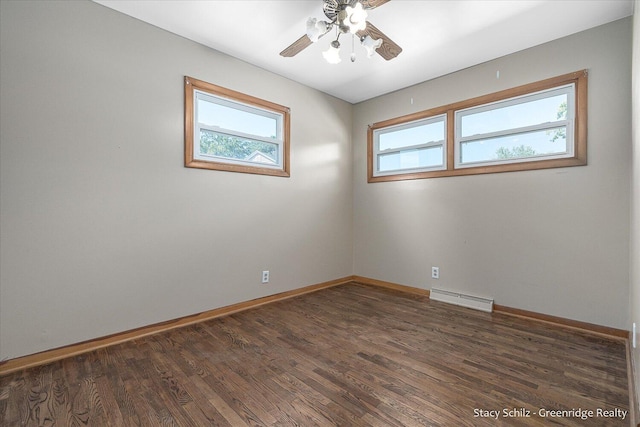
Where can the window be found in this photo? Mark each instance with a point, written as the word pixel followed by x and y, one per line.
pixel 231 131
pixel 531 127
pixel 536 126
pixel 415 146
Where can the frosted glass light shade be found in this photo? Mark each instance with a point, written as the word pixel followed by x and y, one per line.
pixel 371 45
pixel 356 18
pixel 316 29
pixel 332 55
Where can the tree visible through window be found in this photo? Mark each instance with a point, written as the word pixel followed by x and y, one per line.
pixel 232 147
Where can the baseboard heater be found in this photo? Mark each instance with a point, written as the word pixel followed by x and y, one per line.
pixel 483 304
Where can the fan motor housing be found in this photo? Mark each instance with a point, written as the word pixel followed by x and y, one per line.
pixel 332 8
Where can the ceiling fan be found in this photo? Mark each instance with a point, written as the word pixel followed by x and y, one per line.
pixel 347 17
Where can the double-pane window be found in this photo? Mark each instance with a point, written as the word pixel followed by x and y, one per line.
pixel 227 130
pixel 535 126
pixel 415 146
pixel 527 128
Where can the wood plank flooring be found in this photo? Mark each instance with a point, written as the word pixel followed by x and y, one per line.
pixel 351 355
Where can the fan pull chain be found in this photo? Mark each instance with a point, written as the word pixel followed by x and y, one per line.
pixel 353 51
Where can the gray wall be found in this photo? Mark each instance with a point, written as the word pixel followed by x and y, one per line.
pixel 635 198
pixel 103 229
pixel 552 241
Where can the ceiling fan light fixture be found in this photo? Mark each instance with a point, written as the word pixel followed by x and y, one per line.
pixel 370 45
pixel 316 29
pixel 346 17
pixel 356 19
pixel 332 55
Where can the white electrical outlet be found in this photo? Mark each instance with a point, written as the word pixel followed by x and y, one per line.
pixel 435 272
pixel 265 276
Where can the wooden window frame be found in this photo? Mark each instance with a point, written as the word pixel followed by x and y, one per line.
pixel 579 158
pixel 190 86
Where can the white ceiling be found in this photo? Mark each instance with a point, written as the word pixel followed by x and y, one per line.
pixel 437 37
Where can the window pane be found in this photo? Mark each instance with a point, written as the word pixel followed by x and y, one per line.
pixel 232 147
pixel 411 159
pixel 216 115
pixel 516 116
pixel 415 135
pixel 532 144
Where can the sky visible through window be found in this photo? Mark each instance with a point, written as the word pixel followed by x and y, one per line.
pixel 216 115
pixel 416 135
pixel 515 116
pixel 530 144
pixel 412 159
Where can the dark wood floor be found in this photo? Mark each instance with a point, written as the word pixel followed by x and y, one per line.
pixel 349 355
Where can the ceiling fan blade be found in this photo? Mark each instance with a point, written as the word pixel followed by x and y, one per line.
pixel 297 46
pixel 372 4
pixel 389 49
